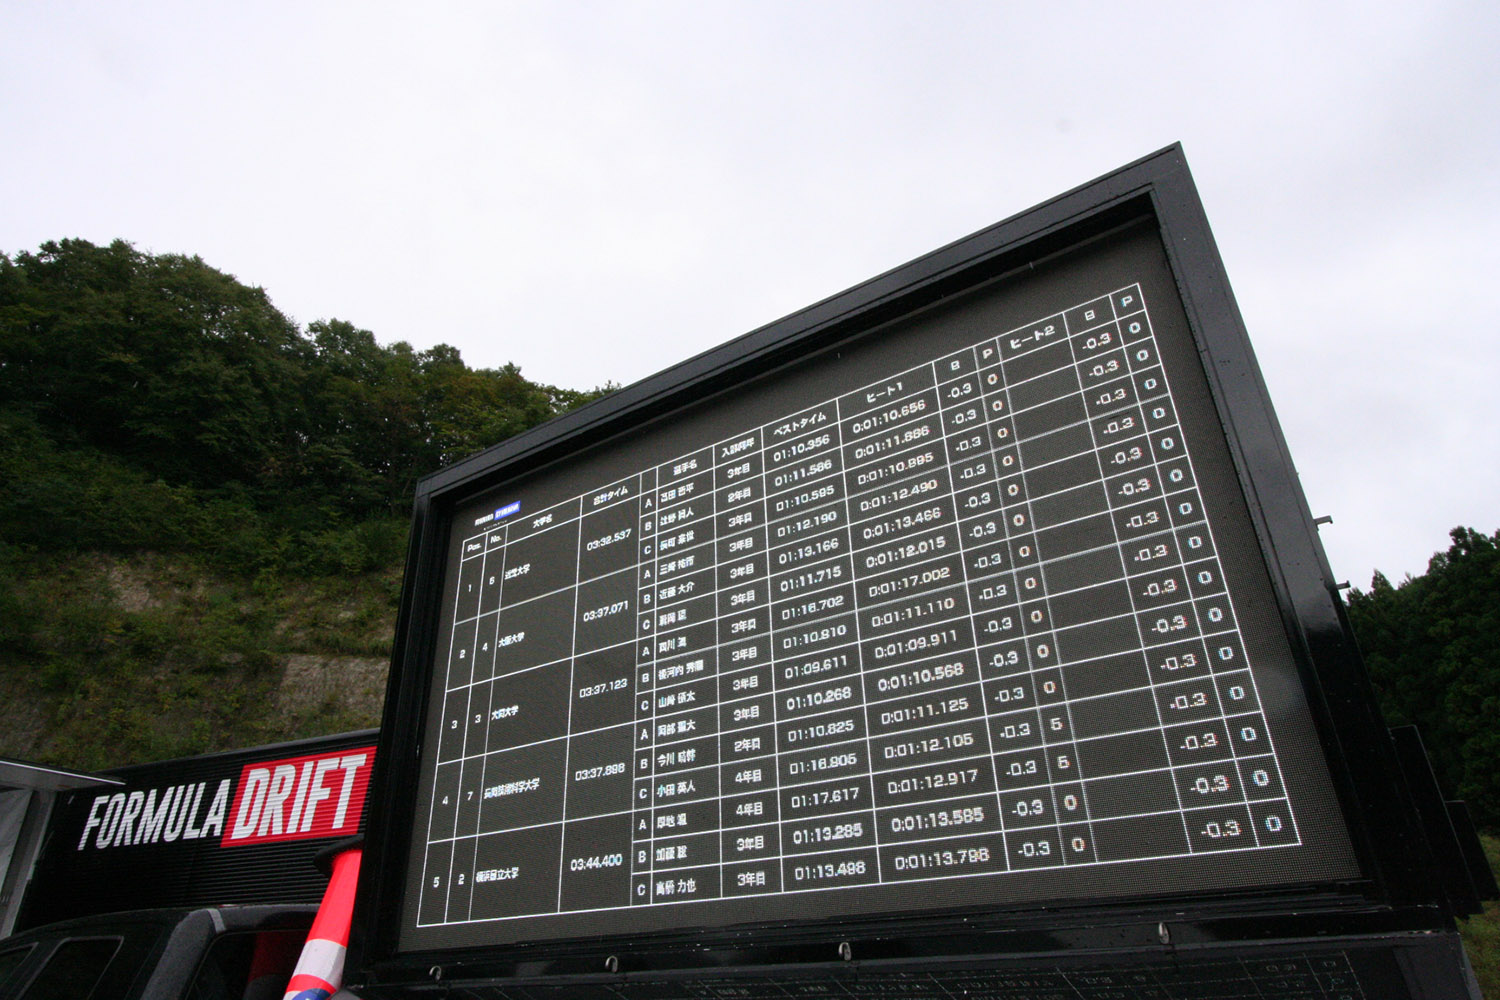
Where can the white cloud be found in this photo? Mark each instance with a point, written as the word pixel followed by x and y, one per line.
pixel 595 191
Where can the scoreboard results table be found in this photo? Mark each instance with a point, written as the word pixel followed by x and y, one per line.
pixel 966 631
pixel 964 621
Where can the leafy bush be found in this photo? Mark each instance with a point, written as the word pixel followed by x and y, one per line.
pixel 142 386
pixel 1429 644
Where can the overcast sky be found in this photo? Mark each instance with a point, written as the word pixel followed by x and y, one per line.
pixel 596 191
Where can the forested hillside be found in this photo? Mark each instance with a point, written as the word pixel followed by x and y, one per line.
pixel 204 506
pixel 1432 646
pixel 203 516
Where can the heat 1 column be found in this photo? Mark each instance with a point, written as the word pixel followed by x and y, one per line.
pixel 935 776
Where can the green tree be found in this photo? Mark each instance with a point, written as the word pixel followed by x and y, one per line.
pixel 1430 644
pixel 175 367
pixel 366 416
pixel 133 374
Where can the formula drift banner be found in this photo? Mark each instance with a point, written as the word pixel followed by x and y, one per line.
pixel 275 801
pixel 238 827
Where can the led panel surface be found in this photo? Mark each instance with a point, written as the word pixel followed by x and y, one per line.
pixel 962 612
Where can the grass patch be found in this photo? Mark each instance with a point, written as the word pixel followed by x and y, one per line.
pixel 112 660
pixel 1481 932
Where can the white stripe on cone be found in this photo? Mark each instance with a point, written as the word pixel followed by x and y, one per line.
pixel 319 971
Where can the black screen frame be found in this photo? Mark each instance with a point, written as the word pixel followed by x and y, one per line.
pixel 1391 852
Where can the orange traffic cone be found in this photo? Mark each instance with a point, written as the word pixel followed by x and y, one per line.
pixel 320 969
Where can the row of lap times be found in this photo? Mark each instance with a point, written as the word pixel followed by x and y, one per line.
pixel 965 620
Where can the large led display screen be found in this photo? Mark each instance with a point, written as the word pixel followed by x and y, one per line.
pixel 963 612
